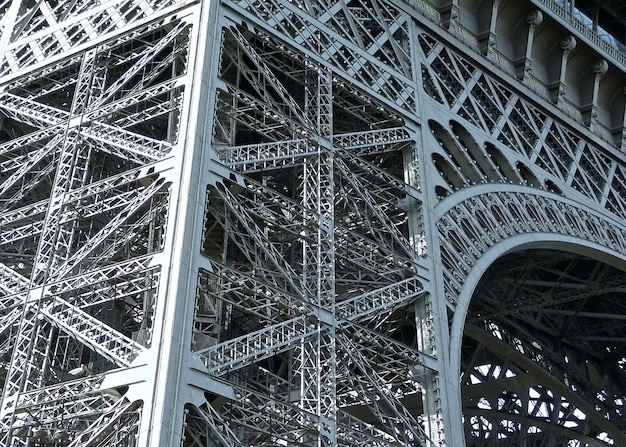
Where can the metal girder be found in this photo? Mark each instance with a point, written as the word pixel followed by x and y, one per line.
pixel 83 192
pixel 531 300
pixel 266 222
pixel 267 342
pixel 109 343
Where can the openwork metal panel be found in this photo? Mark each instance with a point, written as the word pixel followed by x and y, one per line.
pixel 315 223
pixel 92 99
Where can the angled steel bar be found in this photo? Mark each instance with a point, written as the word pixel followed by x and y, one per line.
pixel 383 299
pixel 264 343
pixel 92 332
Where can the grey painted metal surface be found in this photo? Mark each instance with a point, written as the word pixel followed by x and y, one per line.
pixel 277 223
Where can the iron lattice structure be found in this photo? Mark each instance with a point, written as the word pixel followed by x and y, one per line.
pixel 311 222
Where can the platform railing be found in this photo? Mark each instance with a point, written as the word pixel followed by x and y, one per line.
pixel 613 48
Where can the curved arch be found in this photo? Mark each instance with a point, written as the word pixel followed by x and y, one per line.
pixel 497 230
pixel 515 219
pixel 462 332
pixel 515 243
pixel 548 219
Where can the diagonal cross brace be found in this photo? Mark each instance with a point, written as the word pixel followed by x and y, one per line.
pixel 103 339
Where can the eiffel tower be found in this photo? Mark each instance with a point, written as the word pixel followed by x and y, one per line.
pixel 312 223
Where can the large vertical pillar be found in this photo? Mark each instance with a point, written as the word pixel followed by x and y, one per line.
pixel 318 364
pixel 98 203
pixel 167 386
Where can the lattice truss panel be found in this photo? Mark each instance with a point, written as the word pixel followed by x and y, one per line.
pixel 90 100
pixel 524 172
pixel 520 143
pixel 311 235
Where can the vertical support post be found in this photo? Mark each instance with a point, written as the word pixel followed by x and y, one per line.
pixel 426 343
pixel 439 395
pixel 558 91
pixel 72 163
pixel 599 69
pixel 55 242
pixel 318 383
pixel 493 21
pixel 534 19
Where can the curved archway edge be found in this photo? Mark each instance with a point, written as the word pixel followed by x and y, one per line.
pixel 489 224
pixel 511 245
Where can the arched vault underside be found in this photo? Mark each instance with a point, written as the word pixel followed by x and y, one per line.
pixel 534 286
pixel 543 352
